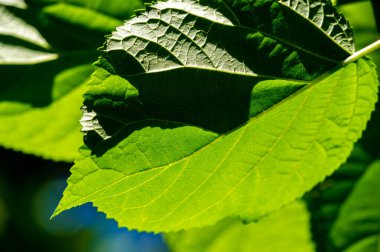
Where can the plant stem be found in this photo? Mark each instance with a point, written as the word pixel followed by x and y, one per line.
pixel 366 50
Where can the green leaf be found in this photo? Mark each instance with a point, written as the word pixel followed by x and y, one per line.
pixel 46 52
pixel 362 19
pixel 184 143
pixel 41 93
pixel 81 17
pixel 85 26
pixel 287 229
pixel 327 198
pixel 15 3
pixel 12 25
pixel 16 52
pixel 317 26
pixel 119 9
pixel 357 227
pixel 51 131
pixel 174 35
pixel 18 55
pixel 39 107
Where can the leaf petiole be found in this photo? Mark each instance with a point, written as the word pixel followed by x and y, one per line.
pixel 366 50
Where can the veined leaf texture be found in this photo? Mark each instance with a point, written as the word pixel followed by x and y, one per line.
pixel 202 110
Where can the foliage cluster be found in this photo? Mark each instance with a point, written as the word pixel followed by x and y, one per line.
pixel 226 125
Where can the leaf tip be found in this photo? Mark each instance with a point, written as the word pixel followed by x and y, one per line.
pixel 57 211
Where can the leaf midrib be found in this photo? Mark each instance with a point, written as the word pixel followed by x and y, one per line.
pixel 264 33
pixel 219 138
pixel 222 135
pixel 210 206
pixel 227 71
pixel 217 71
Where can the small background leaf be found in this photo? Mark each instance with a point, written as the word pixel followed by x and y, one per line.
pixel 361 17
pixel 287 229
pixel 357 227
pixel 46 51
pixel 325 200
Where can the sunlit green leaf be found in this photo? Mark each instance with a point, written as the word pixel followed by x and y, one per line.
pixel 182 143
pixel 52 131
pixel 81 17
pixel 287 230
pixel 120 9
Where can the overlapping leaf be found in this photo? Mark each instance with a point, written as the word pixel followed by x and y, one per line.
pixel 357 227
pixel 287 229
pixel 361 16
pixel 325 200
pixel 218 118
pixel 46 52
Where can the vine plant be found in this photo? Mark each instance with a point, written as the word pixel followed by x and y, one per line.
pixel 201 115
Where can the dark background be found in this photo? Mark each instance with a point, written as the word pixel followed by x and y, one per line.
pixel 30 189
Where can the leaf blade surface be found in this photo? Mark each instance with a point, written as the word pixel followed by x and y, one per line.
pixel 177 137
pixel 289 227
pixel 206 186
